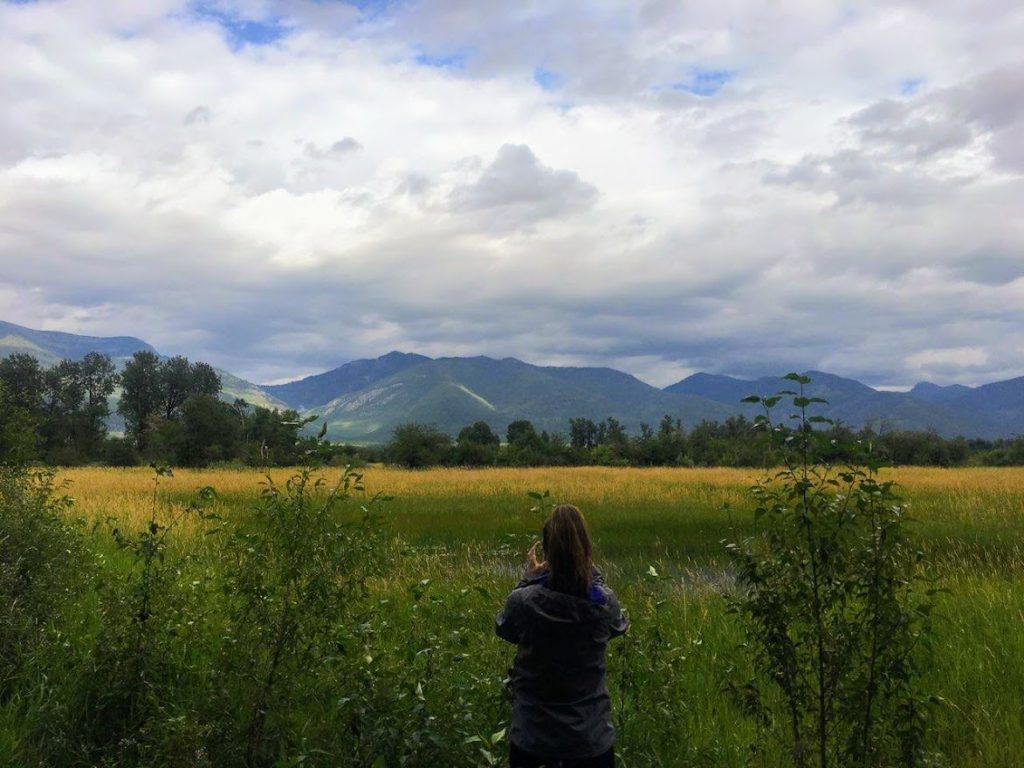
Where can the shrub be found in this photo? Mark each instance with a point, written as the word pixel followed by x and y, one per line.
pixel 419 445
pixel 295 570
pixel 42 560
pixel 119 452
pixel 830 601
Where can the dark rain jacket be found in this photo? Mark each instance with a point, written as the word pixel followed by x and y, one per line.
pixel 561 707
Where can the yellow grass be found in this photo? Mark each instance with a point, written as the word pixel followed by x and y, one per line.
pixel 975 493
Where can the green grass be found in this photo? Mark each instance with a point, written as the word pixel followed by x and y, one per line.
pixel 421 670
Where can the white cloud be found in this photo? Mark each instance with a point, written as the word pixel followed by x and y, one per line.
pixel 279 186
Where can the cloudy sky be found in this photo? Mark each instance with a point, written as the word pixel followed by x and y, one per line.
pixel 662 187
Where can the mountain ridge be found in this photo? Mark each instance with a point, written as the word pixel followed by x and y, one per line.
pixel 363 400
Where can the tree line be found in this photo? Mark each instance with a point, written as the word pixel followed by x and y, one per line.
pixel 735 442
pixel 171 409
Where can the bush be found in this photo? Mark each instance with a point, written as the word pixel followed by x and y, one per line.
pixel 835 622
pixel 419 445
pixel 42 562
pixel 119 452
pixel 126 701
pixel 295 569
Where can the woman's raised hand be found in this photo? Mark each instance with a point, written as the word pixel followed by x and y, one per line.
pixel 534 566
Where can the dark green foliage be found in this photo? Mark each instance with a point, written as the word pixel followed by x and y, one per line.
pixel 42 561
pixel 480 433
pixel 18 444
pixel 522 434
pixel 180 380
pixel 63 408
pixel 75 408
pixel 23 381
pixel 138 666
pixel 154 395
pixel 210 431
pixel 477 445
pixel 295 569
pixel 419 445
pixel 834 604
pixel 271 436
pixel 119 452
pixel 142 396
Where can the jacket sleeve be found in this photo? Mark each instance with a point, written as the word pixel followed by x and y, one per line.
pixel 506 623
pixel 619 620
pixel 528 580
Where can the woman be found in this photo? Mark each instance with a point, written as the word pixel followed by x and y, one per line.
pixel 561 616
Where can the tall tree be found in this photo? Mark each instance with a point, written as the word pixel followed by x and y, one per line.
pixel 142 396
pixel 175 385
pixel 479 433
pixel 205 380
pixel 22 377
pixel 582 433
pixel 210 431
pixel 99 380
pixel 521 433
pixel 63 397
pixel 17 431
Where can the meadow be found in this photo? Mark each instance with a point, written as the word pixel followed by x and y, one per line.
pixel 418 677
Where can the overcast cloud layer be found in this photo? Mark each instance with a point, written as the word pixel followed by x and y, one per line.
pixel 662 187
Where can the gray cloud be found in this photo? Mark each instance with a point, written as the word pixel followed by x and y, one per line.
pixel 809 215
pixel 335 151
pixel 199 116
pixel 517 189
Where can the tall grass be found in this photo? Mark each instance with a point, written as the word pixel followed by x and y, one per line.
pixel 411 673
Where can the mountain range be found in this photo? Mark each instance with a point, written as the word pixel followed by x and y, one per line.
pixel 364 400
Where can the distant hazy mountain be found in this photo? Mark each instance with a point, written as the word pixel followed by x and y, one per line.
pixel 50 347
pixel 365 399
pixel 857 404
pixel 454 392
pixel 1000 403
pixel 350 377
pixel 934 393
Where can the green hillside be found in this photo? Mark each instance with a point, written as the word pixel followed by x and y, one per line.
pixel 363 400
pixel 50 347
pixel 453 392
pixel 858 405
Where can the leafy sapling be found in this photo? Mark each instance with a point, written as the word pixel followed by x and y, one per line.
pixel 834 601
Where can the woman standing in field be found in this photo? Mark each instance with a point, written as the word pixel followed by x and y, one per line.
pixel 561 615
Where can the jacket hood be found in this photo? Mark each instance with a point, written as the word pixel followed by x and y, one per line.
pixel 560 607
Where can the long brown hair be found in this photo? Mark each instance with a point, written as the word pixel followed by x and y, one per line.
pixel 567 550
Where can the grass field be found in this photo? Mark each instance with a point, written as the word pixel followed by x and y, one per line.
pixel 432 669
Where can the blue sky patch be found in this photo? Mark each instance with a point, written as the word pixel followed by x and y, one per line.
pixel 239 31
pixel 705 82
pixel 547 79
pixel 371 7
pixel 911 86
pixel 449 60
